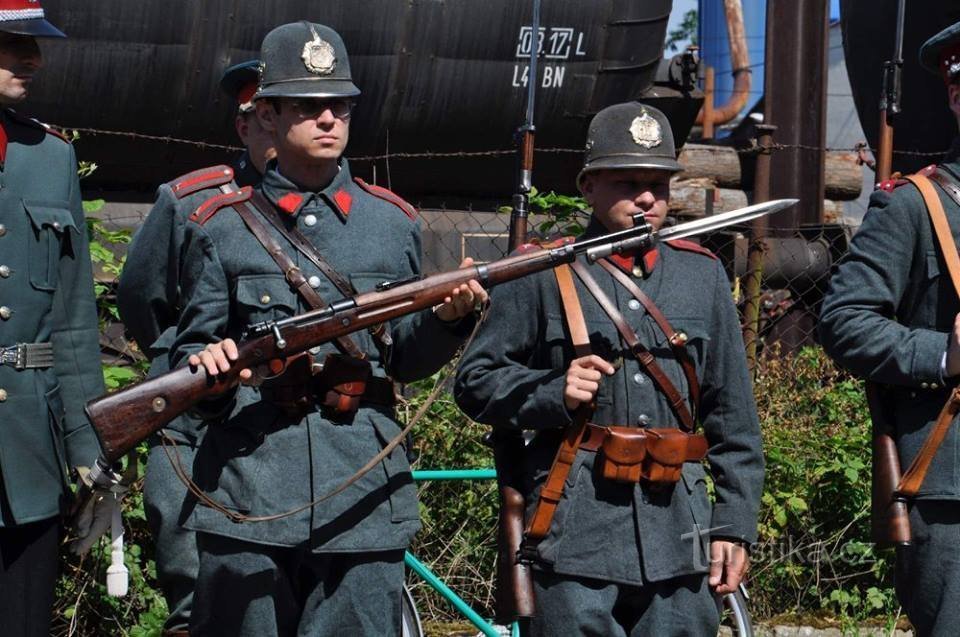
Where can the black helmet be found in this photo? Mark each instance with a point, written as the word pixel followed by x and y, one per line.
pixel 630 135
pixel 303 59
pixel 26 17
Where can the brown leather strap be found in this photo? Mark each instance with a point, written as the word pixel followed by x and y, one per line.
pixel 941 227
pixel 946 182
pixel 677 340
pixel 291 272
pixel 307 249
pixel 913 478
pixel 552 490
pixel 641 353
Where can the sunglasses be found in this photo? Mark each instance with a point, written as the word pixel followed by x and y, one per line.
pixel 314 107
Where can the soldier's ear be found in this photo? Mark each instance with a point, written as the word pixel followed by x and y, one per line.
pixel 953 91
pixel 266 115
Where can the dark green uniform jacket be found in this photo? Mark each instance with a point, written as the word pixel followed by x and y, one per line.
pixel 513 376
pixel 256 460
pixel 888 314
pixel 148 294
pixel 47 285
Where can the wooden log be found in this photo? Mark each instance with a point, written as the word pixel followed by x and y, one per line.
pixel 721 164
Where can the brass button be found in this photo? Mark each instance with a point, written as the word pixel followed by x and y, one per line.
pixel 310 220
pixel 924 385
pixel 5 271
pixel 265 299
pixel 314 281
pixel 5 312
pixel 934 386
pixel 3 395
pixel 637 271
pixel 3 230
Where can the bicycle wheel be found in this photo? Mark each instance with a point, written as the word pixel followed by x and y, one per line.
pixel 734 614
pixel 409 619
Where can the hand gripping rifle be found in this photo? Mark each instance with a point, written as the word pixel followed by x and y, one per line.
pixel 513 594
pixel 123 419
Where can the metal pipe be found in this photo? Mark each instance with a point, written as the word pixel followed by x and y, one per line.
pixel 740 59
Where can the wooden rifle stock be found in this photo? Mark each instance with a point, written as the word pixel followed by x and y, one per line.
pixel 125 418
pixel 889 520
pixel 514 597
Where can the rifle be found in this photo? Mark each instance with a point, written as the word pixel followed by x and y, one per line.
pixel 889 521
pixel 123 419
pixel 514 597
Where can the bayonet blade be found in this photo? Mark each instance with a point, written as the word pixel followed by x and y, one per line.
pixel 724 219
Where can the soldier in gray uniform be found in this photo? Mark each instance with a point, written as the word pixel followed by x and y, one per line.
pixel 49 353
pixel 335 568
pixel 891 316
pixel 626 557
pixel 148 298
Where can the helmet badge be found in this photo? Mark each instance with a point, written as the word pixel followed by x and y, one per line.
pixel 646 130
pixel 318 55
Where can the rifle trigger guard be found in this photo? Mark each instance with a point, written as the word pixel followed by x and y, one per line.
pixel 281 342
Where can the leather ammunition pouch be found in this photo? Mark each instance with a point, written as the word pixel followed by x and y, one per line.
pixel 655 456
pixel 339 385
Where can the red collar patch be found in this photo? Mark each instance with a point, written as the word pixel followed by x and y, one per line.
pixel 626 262
pixel 290 202
pixel 344 201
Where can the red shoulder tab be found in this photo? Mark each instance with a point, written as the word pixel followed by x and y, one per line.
pixel 386 195
pixel 216 203
pixel 690 246
pixel 890 185
pixel 29 121
pixel 209 177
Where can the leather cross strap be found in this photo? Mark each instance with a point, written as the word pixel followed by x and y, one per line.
pixel 292 273
pixel 913 478
pixel 641 353
pixel 945 182
pixel 307 249
pixel 677 340
pixel 552 490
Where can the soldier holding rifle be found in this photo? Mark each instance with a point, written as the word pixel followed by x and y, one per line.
pixel 306 236
pixel 892 315
pixel 618 367
pixel 148 298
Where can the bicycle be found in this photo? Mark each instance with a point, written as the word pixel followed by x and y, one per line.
pixel 733 606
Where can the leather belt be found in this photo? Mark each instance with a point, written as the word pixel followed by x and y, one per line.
pixel 293 398
pixel 27 355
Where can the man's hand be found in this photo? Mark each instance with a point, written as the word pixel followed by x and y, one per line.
pixel 216 359
pixel 463 298
pixel 953 350
pixel 583 380
pixel 728 565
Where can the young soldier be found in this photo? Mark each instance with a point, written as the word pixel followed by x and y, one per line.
pixel 49 353
pixel 148 297
pixel 269 452
pixel 624 552
pixel 891 315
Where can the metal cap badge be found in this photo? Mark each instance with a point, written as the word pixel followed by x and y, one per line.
pixel 304 59
pixel 630 135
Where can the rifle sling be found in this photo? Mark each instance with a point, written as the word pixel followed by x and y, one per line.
pixel 292 273
pixel 552 490
pixel 913 478
pixel 307 249
pixel 676 339
pixel 642 354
